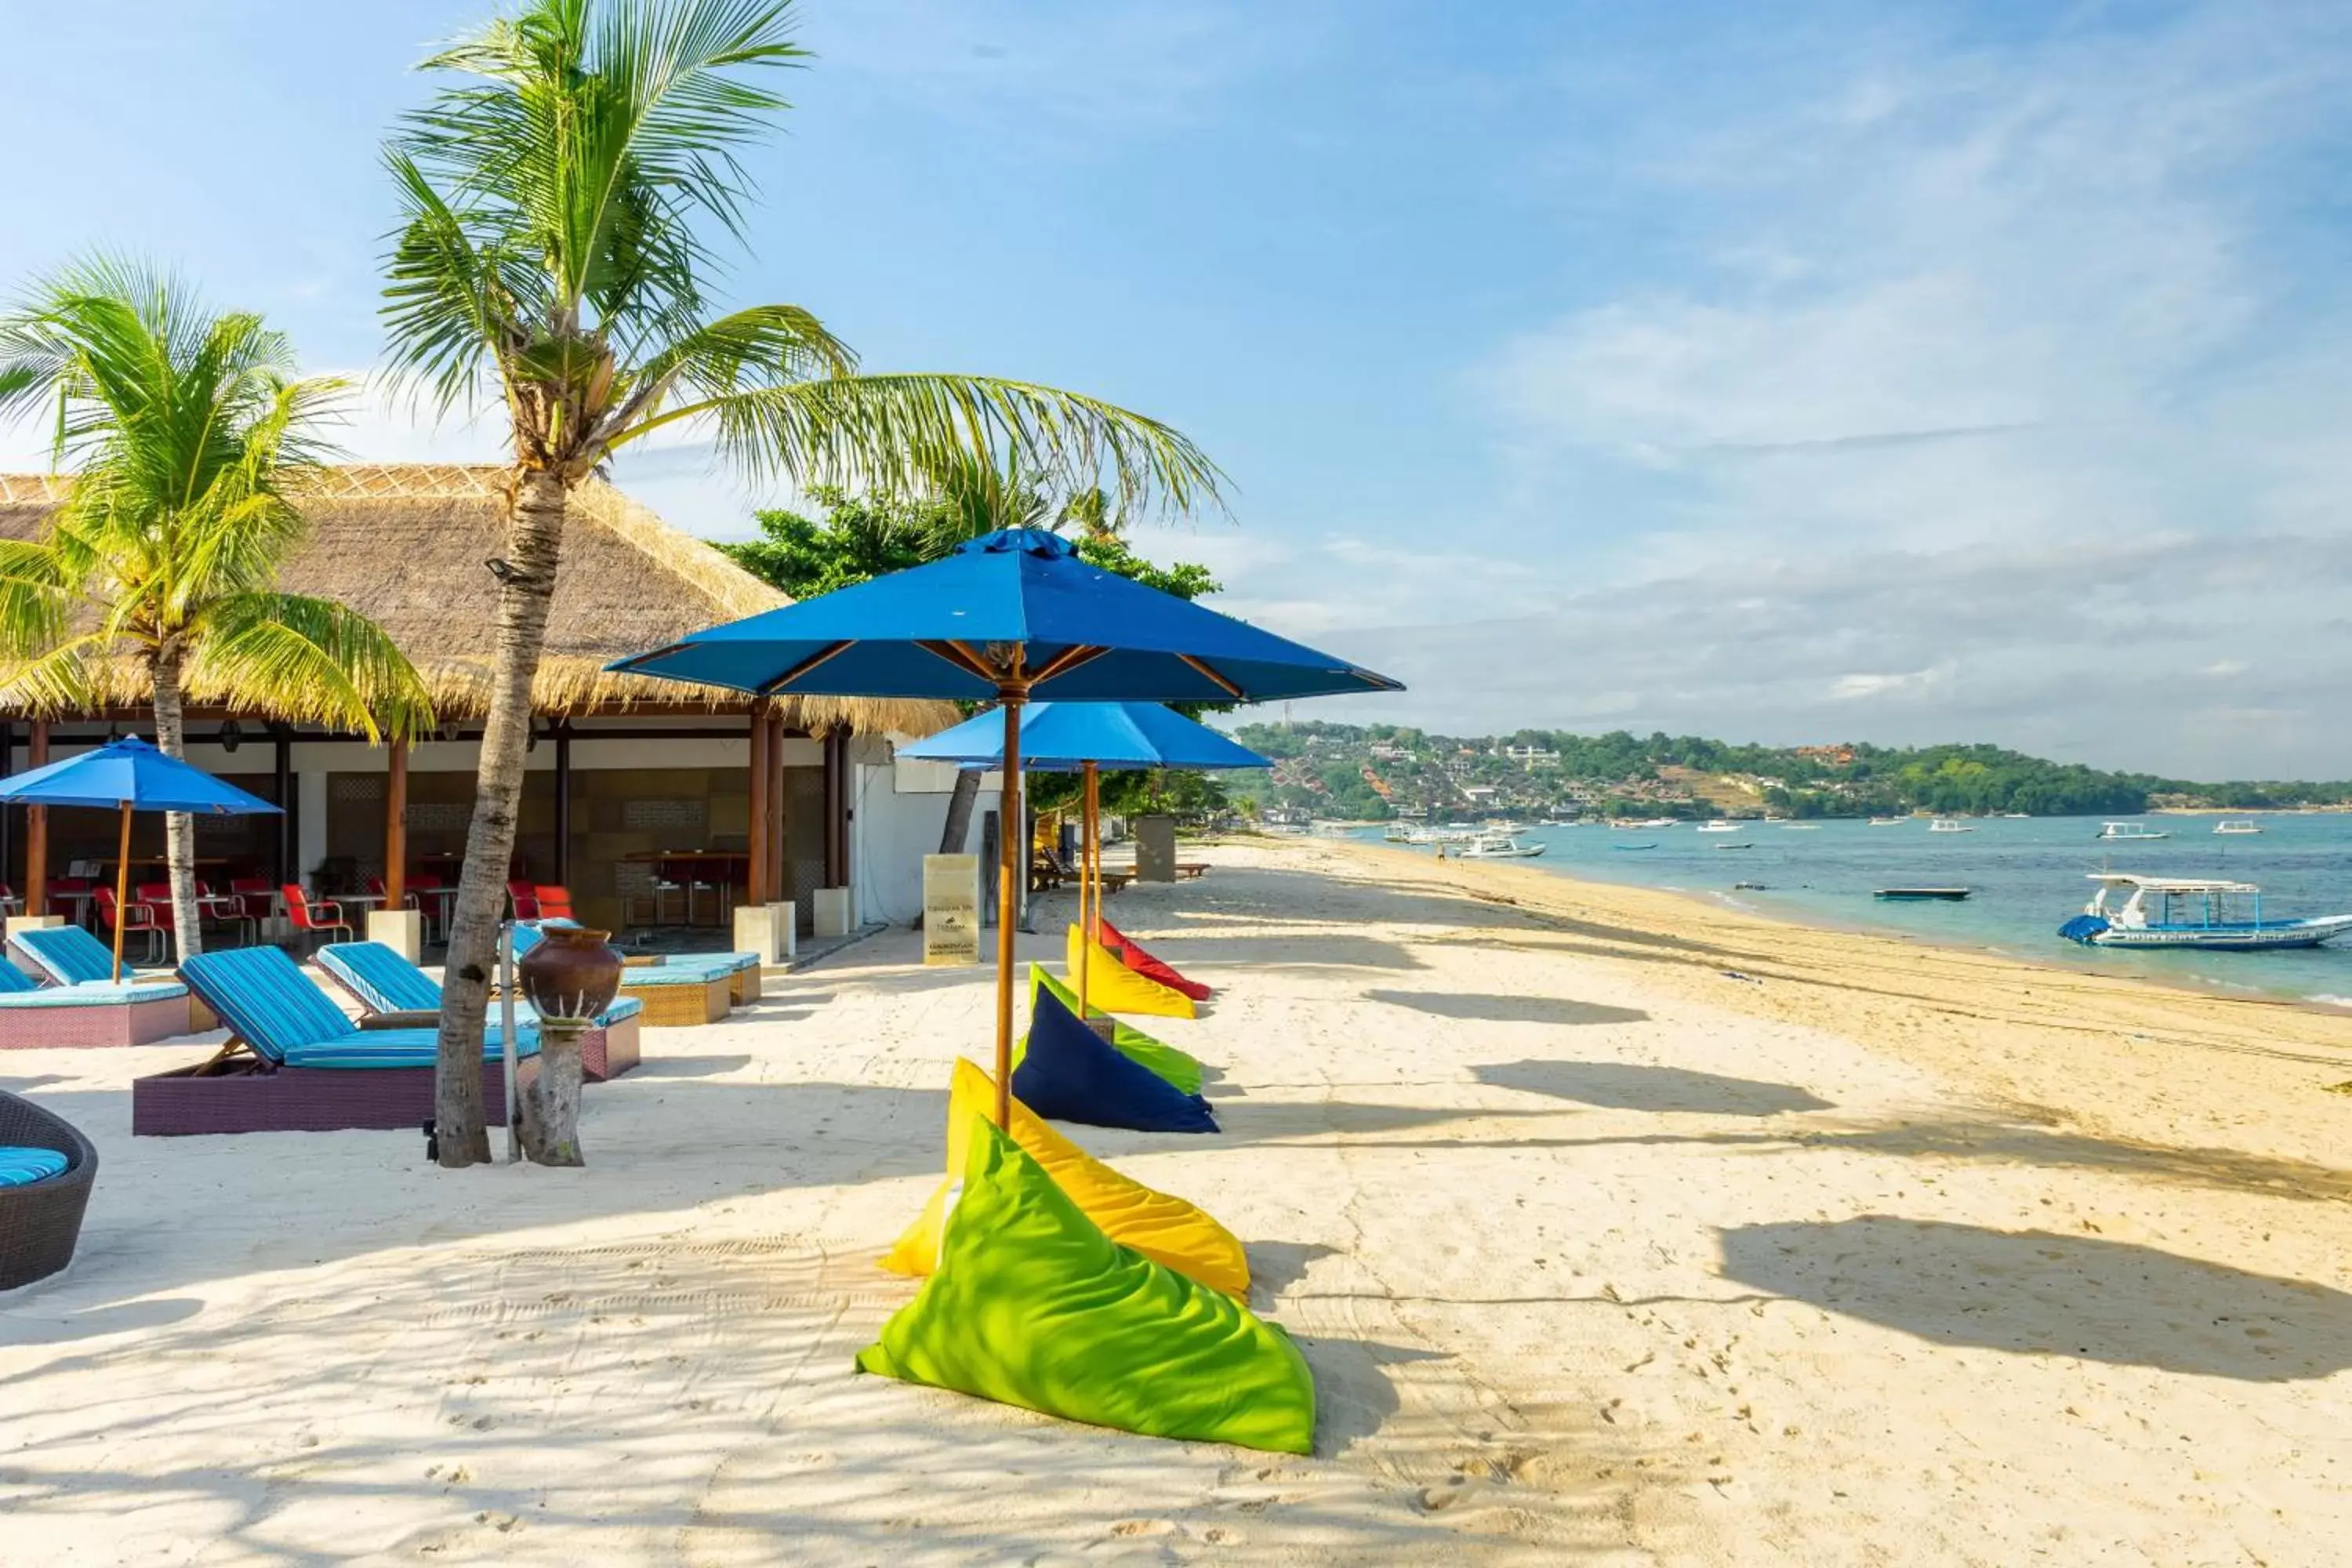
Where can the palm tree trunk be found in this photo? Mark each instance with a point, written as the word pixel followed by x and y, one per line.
pixel 959 805
pixel 534 546
pixel 179 827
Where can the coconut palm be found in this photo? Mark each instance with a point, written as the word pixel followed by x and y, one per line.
pixel 559 205
pixel 157 573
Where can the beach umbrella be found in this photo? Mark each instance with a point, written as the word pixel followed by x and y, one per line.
pixel 1012 616
pixel 1083 738
pixel 127 775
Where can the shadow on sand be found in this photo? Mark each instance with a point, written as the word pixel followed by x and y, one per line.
pixel 2040 1293
pixel 1631 1086
pixel 1473 1005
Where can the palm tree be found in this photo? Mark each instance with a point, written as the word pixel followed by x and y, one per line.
pixel 183 428
pixel 558 203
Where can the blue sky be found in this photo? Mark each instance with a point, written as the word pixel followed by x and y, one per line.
pixel 1786 372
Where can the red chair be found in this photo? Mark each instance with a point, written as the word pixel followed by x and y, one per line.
pixel 525 898
pixel 252 901
pixel 325 915
pixel 424 898
pixel 554 903
pixel 135 917
pixel 156 899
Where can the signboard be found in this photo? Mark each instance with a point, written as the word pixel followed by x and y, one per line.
pixel 951 908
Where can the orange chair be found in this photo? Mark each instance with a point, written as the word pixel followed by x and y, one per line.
pixel 554 903
pixel 325 915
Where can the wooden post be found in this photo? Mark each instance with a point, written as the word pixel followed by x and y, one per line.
pixel 755 877
pixel 1013 871
pixel 36 828
pixel 395 825
pixel 283 772
pixel 834 806
pixel 121 890
pixel 7 766
pixel 779 884
pixel 564 802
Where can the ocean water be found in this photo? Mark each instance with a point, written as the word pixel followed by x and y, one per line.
pixel 2026 878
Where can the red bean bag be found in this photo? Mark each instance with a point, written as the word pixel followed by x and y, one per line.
pixel 1150 968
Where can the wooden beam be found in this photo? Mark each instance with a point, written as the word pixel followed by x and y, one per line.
pixel 281 771
pixel 779 883
pixel 395 825
pixel 36 828
pixel 834 804
pixel 755 880
pixel 562 803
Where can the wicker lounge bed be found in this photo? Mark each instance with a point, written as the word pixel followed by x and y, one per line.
pixel 136 1013
pixel 388 986
pixel 40 1218
pixel 294 1063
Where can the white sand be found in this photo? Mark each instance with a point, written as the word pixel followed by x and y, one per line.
pixel 1888 1257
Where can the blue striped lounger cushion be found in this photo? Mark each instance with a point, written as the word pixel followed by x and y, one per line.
pixel 70 954
pixel 396 1049
pixel 95 994
pixel 22 1167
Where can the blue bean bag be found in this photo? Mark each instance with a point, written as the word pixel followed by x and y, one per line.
pixel 1070 1074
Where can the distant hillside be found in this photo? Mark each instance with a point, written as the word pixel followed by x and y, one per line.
pixel 1375 771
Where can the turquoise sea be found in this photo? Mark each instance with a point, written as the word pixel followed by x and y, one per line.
pixel 2026 878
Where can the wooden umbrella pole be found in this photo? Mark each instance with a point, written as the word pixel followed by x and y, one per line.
pixel 121 890
pixel 1086 886
pixel 1094 852
pixel 1013 863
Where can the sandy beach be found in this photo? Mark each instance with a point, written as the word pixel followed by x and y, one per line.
pixel 1614 1230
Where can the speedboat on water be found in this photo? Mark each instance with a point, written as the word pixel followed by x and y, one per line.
pixel 1948 825
pixel 1716 824
pixel 2136 831
pixel 1888 821
pixel 2240 826
pixel 2185 912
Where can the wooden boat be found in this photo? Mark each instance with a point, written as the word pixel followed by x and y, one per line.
pixel 1632 846
pixel 1498 846
pixel 2186 912
pixel 1945 895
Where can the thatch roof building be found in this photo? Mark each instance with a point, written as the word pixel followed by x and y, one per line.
pixel 637 785
pixel 405 545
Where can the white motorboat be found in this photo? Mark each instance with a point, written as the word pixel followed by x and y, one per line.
pixel 2241 826
pixel 1888 821
pixel 1498 846
pixel 2183 911
pixel 2135 832
pixel 1950 825
pixel 1718 826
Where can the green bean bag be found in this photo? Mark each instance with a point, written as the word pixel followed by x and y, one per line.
pixel 1032 1305
pixel 1177 1067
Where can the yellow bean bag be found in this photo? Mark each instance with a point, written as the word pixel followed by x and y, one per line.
pixel 1167 1230
pixel 1113 987
pixel 1032 1305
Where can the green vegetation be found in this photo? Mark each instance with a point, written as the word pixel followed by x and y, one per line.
pixel 1374 771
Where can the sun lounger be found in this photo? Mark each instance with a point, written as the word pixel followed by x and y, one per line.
pixel 679 990
pixel 294 1063
pixel 68 956
pixel 32 1016
pixel 386 985
pixel 45 1170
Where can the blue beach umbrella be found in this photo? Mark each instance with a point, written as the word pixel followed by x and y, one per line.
pixel 1012 616
pixel 128 775
pixel 1066 737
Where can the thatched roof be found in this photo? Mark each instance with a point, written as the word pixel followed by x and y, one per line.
pixel 405 545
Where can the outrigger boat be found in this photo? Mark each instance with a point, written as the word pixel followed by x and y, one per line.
pixel 1498 846
pixel 2184 911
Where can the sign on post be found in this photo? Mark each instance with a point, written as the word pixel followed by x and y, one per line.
pixel 951 908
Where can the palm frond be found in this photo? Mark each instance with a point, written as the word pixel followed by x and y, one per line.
pixel 37 595
pixel 889 432
pixel 57 680
pixel 312 659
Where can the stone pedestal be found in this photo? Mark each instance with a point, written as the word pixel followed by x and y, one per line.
pixel 36 923
pixel 1155 849
pixel 835 911
pixel 763 929
pixel 402 930
pixel 788 929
